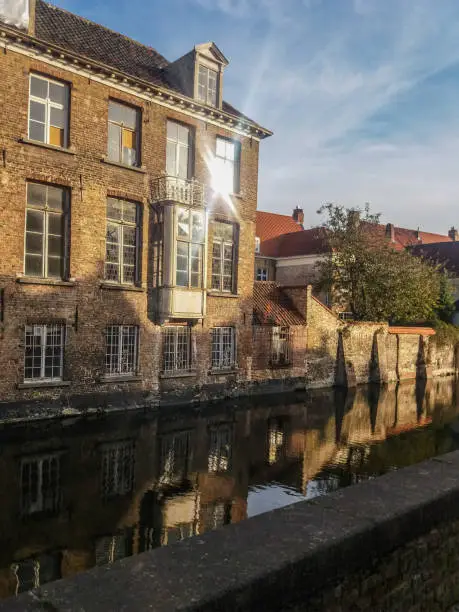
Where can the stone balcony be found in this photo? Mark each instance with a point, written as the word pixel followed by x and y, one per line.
pixel 177 190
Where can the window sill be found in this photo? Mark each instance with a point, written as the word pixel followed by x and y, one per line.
pixel 140 169
pixel 189 374
pixel 224 294
pixel 120 287
pixel 44 145
pixel 39 384
pixel 31 280
pixel 223 372
pixel 116 379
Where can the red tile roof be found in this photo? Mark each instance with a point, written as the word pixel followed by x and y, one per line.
pixel 271 306
pixel 270 226
pixel 280 236
pixel 444 253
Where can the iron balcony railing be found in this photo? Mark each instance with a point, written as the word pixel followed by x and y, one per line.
pixel 182 191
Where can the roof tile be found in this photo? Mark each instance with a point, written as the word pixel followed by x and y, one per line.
pixel 273 307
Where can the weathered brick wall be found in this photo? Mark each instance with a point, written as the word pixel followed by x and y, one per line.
pixel 85 306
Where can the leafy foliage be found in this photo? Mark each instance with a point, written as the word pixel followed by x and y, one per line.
pixel 368 277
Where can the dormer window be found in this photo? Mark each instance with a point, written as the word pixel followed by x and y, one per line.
pixel 207 85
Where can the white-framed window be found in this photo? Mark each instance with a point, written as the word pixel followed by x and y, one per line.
pixel 48 111
pixel 207 85
pixel 113 548
pixel 257 244
pixel 117 468
pixel 262 274
pixel 123 133
pixel 178 158
pixel 40 484
pixel 176 348
pixel 276 441
pixel 280 346
pixel 122 242
pixel 46 231
pixel 121 350
pixel 175 459
pixel 190 234
pixel 223 256
pixel 226 175
pixel 219 458
pixel 223 348
pixel 44 352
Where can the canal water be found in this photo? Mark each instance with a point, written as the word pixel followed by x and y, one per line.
pixel 81 492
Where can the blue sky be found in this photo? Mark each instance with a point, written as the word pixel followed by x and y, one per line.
pixel 362 95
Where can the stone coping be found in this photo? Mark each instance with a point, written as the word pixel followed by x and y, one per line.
pixel 272 561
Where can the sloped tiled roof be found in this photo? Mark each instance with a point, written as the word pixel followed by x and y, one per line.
pixel 96 42
pixel 272 306
pixel 444 253
pixel 404 238
pixel 270 226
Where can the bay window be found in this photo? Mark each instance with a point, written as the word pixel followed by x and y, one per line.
pixel 190 234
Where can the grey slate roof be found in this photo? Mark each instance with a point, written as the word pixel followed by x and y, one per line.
pixel 79 35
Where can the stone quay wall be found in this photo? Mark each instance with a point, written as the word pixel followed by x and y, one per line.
pixel 388 544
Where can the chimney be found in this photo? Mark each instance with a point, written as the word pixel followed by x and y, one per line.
pixel 19 13
pixel 298 216
pixel 418 235
pixel 390 232
pixel 453 234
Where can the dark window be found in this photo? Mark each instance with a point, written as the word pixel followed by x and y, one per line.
pixel 40 484
pixel 176 348
pixel 121 352
pixel 44 352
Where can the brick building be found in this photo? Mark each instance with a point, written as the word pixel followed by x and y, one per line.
pixel 127 213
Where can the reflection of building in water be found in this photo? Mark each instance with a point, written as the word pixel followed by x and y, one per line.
pixel 98 490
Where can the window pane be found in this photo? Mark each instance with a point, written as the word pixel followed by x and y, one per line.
pixel 197 227
pixel 36 194
pixel 38 87
pixel 55 246
pixel 221 147
pixel 172 130
pixel 55 224
pixel 55 267
pixel 171 158
pixel 56 198
pixel 129 212
pixel 183 134
pixel 183 222
pixel 34 221
pixel 57 117
pixel 114 142
pixel 58 93
pixel 230 147
pixel 114 209
pixel 37 131
pixel 37 111
pixel 34 265
pixel 115 112
pixel 56 136
pixel 34 243
pixel 183 162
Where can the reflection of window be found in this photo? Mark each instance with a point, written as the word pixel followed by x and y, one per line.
pixel 123 134
pixel 47 227
pixel 177 533
pixel 215 515
pixel 223 256
pixel 262 274
pixel 280 350
pixel 48 111
pixel 33 572
pixel 117 468
pixel 40 484
pixel 121 350
pixel 223 347
pixel 190 245
pixel 178 150
pixel 219 449
pixel 176 348
pixel 207 85
pixel 175 456
pixel 227 166
pixel 113 548
pixel 122 241
pixel 44 352
pixel 275 442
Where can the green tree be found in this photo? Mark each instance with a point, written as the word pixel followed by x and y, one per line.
pixel 446 304
pixel 368 277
